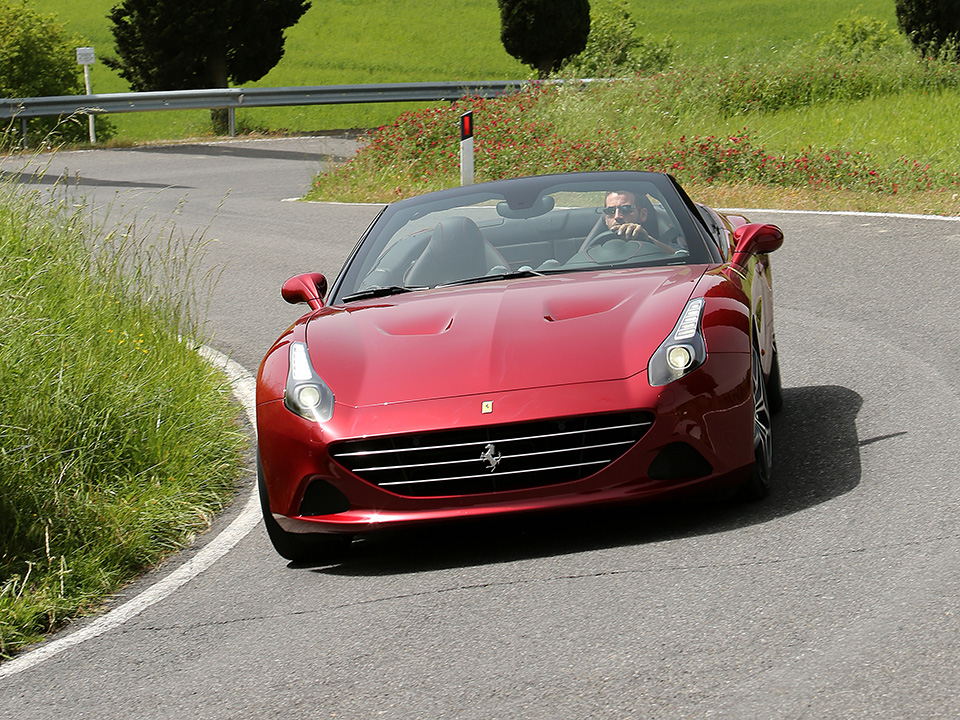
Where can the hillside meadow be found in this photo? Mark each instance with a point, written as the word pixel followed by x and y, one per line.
pixel 896 117
pixel 375 41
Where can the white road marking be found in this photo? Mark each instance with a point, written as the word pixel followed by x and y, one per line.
pixel 244 388
pixel 849 213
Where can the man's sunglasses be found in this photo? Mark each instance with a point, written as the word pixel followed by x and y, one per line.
pixel 611 210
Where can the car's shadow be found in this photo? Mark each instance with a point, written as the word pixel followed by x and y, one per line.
pixel 816 458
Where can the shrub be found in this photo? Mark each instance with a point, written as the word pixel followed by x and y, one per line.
pixel 614 49
pixel 856 36
pixel 544 33
pixel 36 55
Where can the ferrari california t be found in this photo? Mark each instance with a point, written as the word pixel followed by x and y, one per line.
pixel 517 346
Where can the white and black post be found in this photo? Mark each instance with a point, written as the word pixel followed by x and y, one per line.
pixel 466 148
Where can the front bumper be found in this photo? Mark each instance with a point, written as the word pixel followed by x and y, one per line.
pixel 701 435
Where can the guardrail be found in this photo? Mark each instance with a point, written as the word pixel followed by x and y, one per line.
pixel 233 98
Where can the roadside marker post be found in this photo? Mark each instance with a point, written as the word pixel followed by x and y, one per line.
pixel 86 57
pixel 466 148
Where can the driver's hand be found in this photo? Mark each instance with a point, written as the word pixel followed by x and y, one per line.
pixel 632 231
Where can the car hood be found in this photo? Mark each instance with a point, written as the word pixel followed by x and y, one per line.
pixel 498 336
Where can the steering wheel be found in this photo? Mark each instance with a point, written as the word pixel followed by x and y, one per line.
pixel 599 239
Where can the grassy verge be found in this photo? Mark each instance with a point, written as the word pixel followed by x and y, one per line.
pixel 117 442
pixel 872 134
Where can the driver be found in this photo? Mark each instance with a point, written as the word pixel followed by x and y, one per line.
pixel 632 217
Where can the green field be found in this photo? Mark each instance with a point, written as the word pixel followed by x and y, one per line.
pixel 373 41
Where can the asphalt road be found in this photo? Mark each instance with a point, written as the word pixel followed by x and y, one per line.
pixel 837 597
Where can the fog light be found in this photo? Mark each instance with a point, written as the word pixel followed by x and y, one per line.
pixel 309 396
pixel 679 357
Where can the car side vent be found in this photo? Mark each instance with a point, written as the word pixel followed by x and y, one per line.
pixel 495 458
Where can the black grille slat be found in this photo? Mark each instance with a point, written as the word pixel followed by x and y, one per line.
pixel 365 453
pixel 452 462
pixel 499 474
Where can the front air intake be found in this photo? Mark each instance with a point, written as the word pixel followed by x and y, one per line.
pixel 322 498
pixel 496 458
pixel 679 461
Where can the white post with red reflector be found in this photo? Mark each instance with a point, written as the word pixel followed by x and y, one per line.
pixel 466 148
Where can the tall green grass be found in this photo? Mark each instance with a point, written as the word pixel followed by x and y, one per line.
pixel 891 105
pixel 878 125
pixel 117 442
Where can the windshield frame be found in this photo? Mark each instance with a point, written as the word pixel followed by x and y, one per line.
pixel 517 201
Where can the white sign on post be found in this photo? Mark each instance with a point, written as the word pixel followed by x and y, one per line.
pixel 86 57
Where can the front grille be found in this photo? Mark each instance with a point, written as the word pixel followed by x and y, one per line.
pixel 494 458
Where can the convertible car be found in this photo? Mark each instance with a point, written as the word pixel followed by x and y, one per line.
pixel 519 346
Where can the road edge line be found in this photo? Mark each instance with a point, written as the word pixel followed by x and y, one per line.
pixel 244 389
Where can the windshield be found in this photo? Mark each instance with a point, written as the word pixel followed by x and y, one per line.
pixel 528 226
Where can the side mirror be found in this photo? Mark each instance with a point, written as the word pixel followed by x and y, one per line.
pixel 308 288
pixel 755 239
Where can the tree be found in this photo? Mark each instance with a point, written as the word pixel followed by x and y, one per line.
pixel 38 59
pixel 189 44
pixel 544 33
pixel 933 26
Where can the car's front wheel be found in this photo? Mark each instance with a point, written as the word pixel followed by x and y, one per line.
pixel 298 547
pixel 758 486
pixel 774 386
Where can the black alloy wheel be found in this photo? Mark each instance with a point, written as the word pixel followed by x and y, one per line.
pixel 758 486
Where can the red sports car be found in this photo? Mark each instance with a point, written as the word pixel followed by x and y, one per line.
pixel 520 345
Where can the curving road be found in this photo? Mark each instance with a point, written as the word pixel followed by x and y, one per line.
pixel 835 598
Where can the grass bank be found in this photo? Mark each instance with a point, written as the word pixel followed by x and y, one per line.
pixel 876 133
pixel 117 442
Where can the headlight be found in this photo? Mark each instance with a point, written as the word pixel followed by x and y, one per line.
pixel 683 351
pixel 306 394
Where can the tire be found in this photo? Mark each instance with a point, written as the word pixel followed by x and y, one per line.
pixel 758 486
pixel 774 388
pixel 298 547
